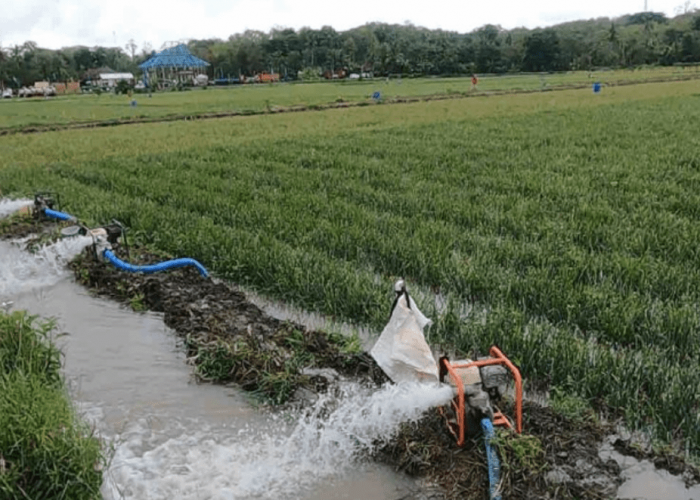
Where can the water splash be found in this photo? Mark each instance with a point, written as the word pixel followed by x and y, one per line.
pixel 21 271
pixel 8 207
pixel 279 461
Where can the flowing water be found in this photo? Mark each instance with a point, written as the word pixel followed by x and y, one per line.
pixel 173 438
pixel 8 207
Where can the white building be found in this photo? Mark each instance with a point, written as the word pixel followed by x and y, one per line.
pixel 111 79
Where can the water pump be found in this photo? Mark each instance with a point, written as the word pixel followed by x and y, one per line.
pixel 44 204
pixel 44 200
pixel 478 386
pixel 403 354
pixel 104 237
pixel 107 236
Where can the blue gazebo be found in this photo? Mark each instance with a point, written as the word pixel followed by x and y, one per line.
pixel 176 62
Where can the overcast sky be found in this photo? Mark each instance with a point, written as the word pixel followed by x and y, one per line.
pixel 59 23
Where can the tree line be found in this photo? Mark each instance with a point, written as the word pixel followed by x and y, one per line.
pixel 645 38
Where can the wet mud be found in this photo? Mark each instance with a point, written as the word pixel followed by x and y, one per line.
pixel 229 339
pixel 555 458
pixel 24 225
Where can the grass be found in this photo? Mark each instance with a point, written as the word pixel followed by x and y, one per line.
pixel 560 226
pixel 45 451
pixel 246 99
pixel 520 451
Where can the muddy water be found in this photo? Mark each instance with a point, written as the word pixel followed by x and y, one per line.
pixel 644 481
pixel 173 438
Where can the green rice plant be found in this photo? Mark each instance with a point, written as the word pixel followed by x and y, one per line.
pixel 573 407
pixel 254 99
pixel 46 452
pixel 560 226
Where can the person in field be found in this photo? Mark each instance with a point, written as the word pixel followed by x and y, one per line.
pixel 475 81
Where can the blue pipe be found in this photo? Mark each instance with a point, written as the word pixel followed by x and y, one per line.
pixel 492 457
pixel 58 215
pixel 169 264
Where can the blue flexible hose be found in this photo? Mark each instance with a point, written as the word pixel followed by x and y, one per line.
pixel 169 264
pixel 57 215
pixel 492 457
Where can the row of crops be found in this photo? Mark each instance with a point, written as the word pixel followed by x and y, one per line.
pixel 23 113
pixel 567 237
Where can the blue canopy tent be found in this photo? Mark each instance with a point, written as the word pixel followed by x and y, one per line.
pixel 174 60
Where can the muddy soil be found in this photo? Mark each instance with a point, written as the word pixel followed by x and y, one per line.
pixel 24 225
pixel 229 339
pixel 555 458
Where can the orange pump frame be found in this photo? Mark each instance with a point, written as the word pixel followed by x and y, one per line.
pixel 497 358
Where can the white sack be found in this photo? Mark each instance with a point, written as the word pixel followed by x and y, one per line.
pixel 401 350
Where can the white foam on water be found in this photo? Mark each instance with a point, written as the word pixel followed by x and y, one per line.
pixel 283 460
pixel 8 207
pixel 21 271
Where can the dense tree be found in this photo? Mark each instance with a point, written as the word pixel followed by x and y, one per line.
pixel 542 51
pixel 646 18
pixel 385 49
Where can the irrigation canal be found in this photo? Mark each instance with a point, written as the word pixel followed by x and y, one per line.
pixel 174 438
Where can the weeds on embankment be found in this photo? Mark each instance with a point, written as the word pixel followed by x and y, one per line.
pixel 45 451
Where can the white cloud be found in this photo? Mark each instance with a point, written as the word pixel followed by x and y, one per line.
pixel 58 23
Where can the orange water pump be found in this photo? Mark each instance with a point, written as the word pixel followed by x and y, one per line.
pixel 456 373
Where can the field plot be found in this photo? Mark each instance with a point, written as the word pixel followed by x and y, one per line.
pixel 249 99
pixel 561 226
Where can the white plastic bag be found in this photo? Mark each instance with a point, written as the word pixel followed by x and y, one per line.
pixel 401 351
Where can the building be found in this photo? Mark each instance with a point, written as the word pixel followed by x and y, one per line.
pixel 173 65
pixel 112 79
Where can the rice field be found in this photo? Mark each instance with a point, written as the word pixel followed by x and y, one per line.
pixel 561 226
pixel 250 99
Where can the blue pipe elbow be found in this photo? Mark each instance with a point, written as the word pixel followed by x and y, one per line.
pixel 55 214
pixel 492 458
pixel 154 268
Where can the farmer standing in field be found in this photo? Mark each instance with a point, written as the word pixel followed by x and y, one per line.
pixel 475 80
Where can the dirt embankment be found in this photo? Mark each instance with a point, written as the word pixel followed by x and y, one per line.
pixel 229 339
pixel 18 227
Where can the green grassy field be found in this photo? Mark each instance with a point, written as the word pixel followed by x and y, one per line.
pixel 562 226
pixel 22 113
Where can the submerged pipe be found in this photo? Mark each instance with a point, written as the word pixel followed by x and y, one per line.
pixel 55 214
pixel 492 458
pixel 154 268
